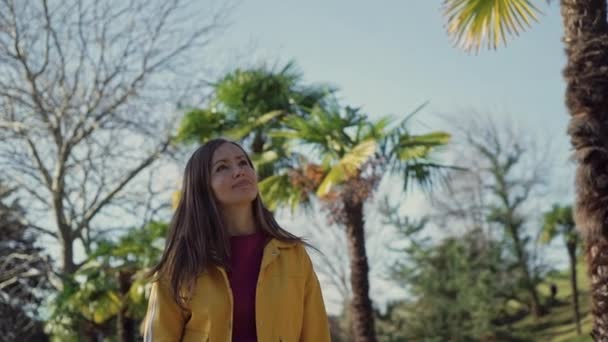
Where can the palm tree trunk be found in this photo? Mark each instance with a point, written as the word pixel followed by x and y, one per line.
pixel 361 305
pixel 574 285
pixel 586 74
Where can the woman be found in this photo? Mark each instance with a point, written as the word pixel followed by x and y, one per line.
pixel 229 272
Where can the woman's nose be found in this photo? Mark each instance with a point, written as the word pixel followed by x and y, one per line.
pixel 238 172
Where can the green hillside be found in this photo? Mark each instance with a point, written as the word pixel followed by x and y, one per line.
pixel 558 325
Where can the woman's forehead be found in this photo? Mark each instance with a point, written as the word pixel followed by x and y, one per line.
pixel 227 151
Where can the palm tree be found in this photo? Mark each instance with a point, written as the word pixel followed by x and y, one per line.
pixel 559 221
pixel 109 288
pixel 247 104
pixel 352 154
pixel 474 23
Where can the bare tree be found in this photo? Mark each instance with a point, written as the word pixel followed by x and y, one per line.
pixel 463 203
pixel 87 95
pixel 507 170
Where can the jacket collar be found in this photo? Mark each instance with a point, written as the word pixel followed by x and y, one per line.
pixel 282 244
pixel 272 251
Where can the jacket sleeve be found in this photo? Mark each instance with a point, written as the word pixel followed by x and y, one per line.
pixel 315 325
pixel 165 320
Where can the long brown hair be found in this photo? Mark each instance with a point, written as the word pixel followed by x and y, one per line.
pixel 197 238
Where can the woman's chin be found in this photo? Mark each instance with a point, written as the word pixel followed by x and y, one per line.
pixel 244 198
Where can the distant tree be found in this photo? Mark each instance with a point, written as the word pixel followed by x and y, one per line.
pixel 505 174
pixel 559 222
pixel 459 289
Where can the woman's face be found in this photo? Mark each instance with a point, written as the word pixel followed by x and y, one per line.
pixel 233 180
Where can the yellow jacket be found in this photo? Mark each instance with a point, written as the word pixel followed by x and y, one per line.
pixel 289 303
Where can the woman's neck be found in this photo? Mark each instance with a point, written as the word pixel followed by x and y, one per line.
pixel 239 220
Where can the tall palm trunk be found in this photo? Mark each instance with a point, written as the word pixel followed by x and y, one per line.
pixel 586 74
pixel 573 283
pixel 361 304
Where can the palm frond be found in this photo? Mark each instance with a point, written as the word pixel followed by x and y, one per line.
pixel 558 221
pixel 200 125
pixel 243 130
pixel 265 158
pixel 403 124
pixel 347 166
pixel 278 191
pixel 420 146
pixel 471 24
pixel 411 155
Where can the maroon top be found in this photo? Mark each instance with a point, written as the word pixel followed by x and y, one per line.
pixel 245 262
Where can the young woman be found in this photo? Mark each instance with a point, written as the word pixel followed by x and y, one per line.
pixel 229 272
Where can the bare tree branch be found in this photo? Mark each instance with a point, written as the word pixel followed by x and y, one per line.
pixel 87 99
pixel 506 176
pixel 96 207
pixel 38 228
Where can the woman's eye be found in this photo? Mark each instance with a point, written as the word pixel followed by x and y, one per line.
pixel 220 168
pixel 243 162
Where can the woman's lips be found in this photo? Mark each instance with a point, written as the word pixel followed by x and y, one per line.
pixel 241 183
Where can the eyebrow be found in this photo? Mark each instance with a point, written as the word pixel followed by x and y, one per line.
pixel 225 160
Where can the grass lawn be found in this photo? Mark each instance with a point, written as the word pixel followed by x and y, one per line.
pixel 558 324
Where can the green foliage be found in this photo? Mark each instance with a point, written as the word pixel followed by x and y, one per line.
pixel 254 92
pixel 251 106
pixel 329 129
pixel 459 289
pixel 199 125
pixel 412 147
pixel 277 190
pixel 92 296
pixel 559 221
pixel 394 324
pixel 249 101
pixel 345 142
pixel 347 166
pixel 558 325
pixel 96 295
pixel 139 248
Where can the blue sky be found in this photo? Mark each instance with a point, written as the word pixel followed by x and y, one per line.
pixel 391 56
